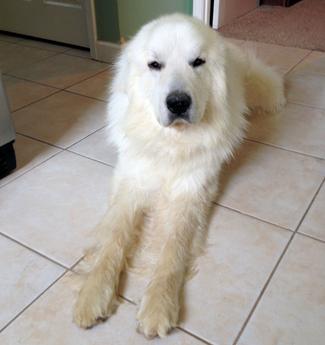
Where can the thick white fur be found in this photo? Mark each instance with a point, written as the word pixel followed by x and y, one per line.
pixel 166 176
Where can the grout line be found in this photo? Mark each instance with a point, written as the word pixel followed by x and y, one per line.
pixel 275 267
pixel 311 237
pixel 82 95
pixel 254 217
pixel 282 148
pixel 88 135
pixel 32 168
pixel 30 81
pixel 263 290
pixel 40 140
pixel 92 159
pixel 310 204
pixel 72 267
pixel 308 106
pixel 178 327
pixel 43 292
pixel 193 335
pixel 32 250
pixel 36 101
pixel 108 66
pixel 34 62
pixel 61 150
pixel 127 299
pixel 295 65
pixel 34 300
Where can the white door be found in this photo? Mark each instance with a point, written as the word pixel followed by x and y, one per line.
pixel 57 20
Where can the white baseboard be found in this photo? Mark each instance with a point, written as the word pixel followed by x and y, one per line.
pixel 106 51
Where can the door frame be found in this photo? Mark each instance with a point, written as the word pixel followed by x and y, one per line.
pixel 107 51
pixel 99 50
pixel 202 9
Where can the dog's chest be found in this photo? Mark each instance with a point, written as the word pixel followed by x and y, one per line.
pixel 163 175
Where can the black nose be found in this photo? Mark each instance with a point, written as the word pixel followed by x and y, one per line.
pixel 178 102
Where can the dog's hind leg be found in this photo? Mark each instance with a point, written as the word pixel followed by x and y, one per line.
pixel 97 298
pixel 264 87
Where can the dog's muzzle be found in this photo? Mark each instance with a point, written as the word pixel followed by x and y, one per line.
pixel 178 103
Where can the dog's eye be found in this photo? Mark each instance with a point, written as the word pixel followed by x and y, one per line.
pixel 197 62
pixel 155 65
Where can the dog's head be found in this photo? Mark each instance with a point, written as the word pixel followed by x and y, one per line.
pixel 171 65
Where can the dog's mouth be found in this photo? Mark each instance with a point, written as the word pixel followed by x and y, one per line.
pixel 178 120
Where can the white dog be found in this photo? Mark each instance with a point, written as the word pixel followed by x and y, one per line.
pixel 177 111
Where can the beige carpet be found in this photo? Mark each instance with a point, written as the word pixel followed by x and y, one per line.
pixel 301 25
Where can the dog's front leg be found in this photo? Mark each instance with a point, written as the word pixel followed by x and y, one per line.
pixel 97 298
pixel 159 308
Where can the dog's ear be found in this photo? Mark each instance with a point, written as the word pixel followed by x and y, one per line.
pixel 219 72
pixel 121 71
pixel 119 100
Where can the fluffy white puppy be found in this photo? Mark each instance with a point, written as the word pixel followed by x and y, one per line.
pixel 177 111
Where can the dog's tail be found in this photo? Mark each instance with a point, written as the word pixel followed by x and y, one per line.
pixel 264 86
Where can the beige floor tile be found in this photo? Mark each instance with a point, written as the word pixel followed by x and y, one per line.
pixel 29 153
pixel 292 310
pixel 296 128
pixel 282 57
pixel 14 56
pixel 96 146
pixel 314 223
pixel 314 63
pixel 241 253
pixel 35 43
pixel 61 119
pixel 24 275
pixel 61 70
pixel 97 86
pixel 270 183
pixel 21 92
pixel 78 52
pixel 49 321
pixel 306 89
pixel 55 206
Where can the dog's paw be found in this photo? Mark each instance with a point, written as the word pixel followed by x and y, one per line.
pixel 94 305
pixel 156 317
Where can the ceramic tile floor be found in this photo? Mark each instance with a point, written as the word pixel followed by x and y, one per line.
pixel 262 280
